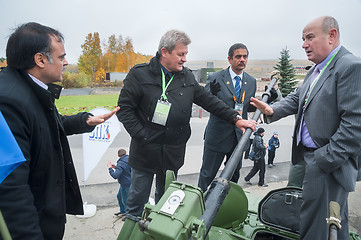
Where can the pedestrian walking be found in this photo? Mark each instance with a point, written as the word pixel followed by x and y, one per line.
pixel 259 165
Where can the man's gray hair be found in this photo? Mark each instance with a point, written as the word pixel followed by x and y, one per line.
pixel 329 23
pixel 171 38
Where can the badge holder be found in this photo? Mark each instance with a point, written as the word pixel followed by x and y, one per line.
pixel 239 106
pixel 161 112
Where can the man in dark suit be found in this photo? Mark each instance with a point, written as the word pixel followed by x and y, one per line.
pixel 221 137
pixel 327 134
pixel 37 194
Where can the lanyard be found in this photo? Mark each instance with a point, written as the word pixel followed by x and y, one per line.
pixel 235 99
pixel 319 75
pixel 164 87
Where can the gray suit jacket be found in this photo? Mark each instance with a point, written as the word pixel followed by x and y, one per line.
pixel 219 134
pixel 332 116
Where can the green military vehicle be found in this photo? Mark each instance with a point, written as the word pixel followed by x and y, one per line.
pixel 225 212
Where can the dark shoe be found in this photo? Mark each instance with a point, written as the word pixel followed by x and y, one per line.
pixel 248 182
pixel 273 165
pixel 119 214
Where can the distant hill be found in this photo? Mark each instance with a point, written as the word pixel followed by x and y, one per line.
pixel 257 68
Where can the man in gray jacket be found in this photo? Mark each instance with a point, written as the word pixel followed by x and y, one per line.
pixel 327 133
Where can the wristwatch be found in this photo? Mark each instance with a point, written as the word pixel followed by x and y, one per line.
pixel 236 118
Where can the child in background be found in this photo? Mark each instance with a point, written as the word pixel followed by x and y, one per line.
pixel 273 144
pixel 121 172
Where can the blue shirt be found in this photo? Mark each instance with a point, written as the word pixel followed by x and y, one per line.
pixel 305 135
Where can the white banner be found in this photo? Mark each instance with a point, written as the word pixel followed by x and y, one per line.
pixel 98 141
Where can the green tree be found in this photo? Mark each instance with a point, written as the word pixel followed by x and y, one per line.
pixel 3 62
pixel 287 83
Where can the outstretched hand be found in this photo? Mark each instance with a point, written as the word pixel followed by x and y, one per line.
pixel 262 106
pixel 95 120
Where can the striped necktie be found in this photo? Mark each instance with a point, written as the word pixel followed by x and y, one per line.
pixel 237 86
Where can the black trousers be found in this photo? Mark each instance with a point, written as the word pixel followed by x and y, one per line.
pixel 260 166
pixel 271 156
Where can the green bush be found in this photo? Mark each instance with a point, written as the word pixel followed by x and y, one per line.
pixel 75 80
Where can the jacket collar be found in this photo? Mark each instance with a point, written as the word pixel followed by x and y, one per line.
pixel 45 97
pixel 154 65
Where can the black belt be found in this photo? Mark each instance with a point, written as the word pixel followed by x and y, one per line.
pixel 309 149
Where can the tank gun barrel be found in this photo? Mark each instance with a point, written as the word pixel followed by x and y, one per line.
pixel 220 186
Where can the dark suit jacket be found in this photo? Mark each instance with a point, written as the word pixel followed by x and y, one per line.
pixel 36 195
pixel 332 116
pixel 155 148
pixel 219 134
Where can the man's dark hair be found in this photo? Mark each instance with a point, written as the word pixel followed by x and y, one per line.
pixel 27 40
pixel 235 47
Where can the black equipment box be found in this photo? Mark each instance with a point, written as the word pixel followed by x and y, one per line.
pixel 281 209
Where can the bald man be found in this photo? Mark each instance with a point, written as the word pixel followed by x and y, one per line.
pixel 327 133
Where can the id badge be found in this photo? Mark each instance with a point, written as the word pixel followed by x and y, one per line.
pixel 161 112
pixel 238 107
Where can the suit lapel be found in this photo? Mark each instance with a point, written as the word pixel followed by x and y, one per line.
pixel 245 84
pixel 325 75
pixel 304 89
pixel 228 81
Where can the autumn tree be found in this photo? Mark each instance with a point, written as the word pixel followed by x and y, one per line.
pixel 3 62
pixel 287 83
pixel 100 75
pixel 113 47
pixel 119 56
pixel 89 61
pixel 126 59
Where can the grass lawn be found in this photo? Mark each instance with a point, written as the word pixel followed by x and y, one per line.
pixel 68 105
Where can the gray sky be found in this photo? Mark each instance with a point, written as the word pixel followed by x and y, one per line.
pixel 265 26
